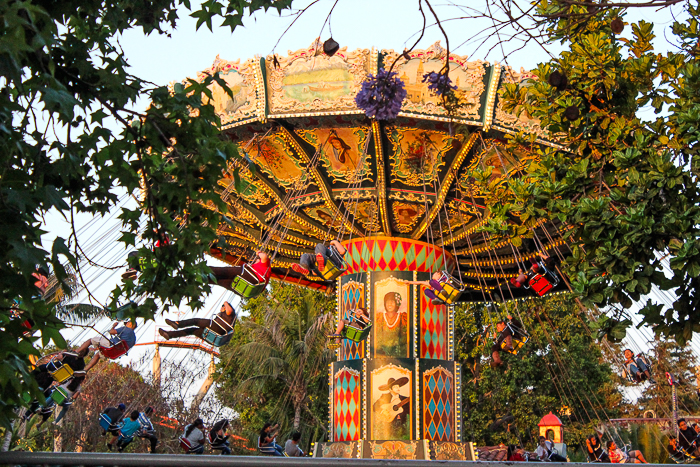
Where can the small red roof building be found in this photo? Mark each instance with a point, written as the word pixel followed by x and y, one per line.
pixel 550 420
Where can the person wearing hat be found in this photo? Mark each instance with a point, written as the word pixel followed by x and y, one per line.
pixel 224 322
pixel 115 414
pixel 392 409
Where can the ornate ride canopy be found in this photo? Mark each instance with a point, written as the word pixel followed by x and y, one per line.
pixel 316 168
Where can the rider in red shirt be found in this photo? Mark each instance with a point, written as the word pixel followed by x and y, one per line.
pixel 225 275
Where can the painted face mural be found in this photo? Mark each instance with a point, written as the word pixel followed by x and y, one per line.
pixel 391 322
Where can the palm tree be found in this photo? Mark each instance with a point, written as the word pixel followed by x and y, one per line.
pixel 287 348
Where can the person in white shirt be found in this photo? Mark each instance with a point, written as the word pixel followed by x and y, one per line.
pixel 547 452
pixel 291 447
pixel 194 433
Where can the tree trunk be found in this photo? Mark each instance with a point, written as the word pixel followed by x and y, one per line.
pixel 6 442
pixel 58 440
pixel 297 415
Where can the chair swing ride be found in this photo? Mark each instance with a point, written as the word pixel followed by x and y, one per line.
pixel 398 195
pixel 401 198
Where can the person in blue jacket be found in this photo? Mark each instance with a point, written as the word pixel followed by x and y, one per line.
pixel 128 429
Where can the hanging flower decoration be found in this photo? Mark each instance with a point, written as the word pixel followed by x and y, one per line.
pixel 439 84
pixel 381 96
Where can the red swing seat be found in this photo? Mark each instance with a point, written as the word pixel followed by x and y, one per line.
pixel 115 351
pixel 185 444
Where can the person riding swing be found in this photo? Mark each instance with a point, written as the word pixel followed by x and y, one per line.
pixel 327 262
pixel 356 328
pixel 441 289
pixel 222 325
pixel 508 333
pixel 247 280
pixel 123 337
pixel 541 276
pixel 637 368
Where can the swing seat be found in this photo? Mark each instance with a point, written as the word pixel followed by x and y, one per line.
pixel 115 351
pixel 631 378
pixel 144 263
pixel 520 338
pixel 215 339
pixel 517 345
pixel 331 272
pixel 105 422
pixel 357 335
pixel 540 284
pixel 269 450
pixel 59 395
pixel 185 444
pixel 451 289
pixel 681 460
pixel 637 380
pixel 59 371
pixel 245 288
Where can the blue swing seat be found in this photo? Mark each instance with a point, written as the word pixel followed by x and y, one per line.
pixel 216 339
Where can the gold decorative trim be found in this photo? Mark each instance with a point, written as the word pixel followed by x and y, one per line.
pixel 491 96
pixel 331 390
pixel 364 398
pixel 285 209
pixel 418 382
pixel 316 114
pixel 416 306
pixel 368 301
pixel 440 119
pixel 458 406
pixel 381 179
pixel 445 186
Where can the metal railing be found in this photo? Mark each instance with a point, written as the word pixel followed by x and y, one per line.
pixel 180 460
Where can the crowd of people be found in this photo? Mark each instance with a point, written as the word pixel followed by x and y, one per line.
pixel 196 436
pixel 546 451
pixel 123 429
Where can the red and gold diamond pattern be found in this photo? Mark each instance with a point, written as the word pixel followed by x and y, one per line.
pixel 346 405
pixel 385 254
pixel 438 404
pixel 433 329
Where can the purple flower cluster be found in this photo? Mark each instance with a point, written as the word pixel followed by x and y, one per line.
pixel 438 83
pixel 381 96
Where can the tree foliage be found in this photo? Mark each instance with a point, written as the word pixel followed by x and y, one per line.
pixel 561 369
pixel 71 142
pixel 626 186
